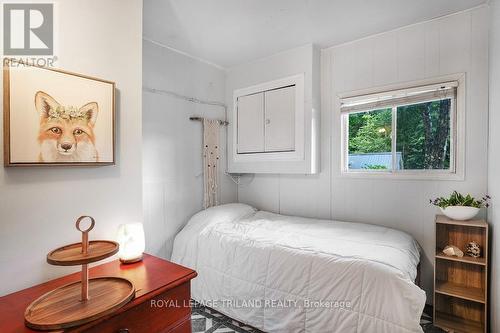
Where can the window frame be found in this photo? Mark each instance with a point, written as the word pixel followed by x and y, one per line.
pixel 457 135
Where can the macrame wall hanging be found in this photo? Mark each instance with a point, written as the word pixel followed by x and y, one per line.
pixel 210 162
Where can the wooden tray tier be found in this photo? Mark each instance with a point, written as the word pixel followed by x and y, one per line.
pixel 63 308
pixel 72 255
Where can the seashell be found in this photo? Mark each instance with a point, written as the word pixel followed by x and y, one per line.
pixel 473 249
pixel 452 250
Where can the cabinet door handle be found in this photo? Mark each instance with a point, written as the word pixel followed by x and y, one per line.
pixel 123 330
pixel 268 121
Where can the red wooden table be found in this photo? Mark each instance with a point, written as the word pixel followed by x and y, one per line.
pixel 161 303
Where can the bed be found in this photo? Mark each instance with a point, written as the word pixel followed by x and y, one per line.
pixel 290 274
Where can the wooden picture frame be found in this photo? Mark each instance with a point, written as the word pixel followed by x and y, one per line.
pixel 73 113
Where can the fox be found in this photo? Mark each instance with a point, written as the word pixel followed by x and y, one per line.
pixel 66 133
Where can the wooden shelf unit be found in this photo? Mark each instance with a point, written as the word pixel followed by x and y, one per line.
pixel 461 284
pixel 456 290
pixel 466 259
pixel 458 324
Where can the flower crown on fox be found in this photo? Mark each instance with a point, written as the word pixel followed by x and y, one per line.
pixel 68 112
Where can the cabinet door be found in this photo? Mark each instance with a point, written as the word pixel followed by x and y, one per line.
pixel 251 123
pixel 280 119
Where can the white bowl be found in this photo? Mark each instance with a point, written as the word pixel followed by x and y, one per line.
pixel 460 213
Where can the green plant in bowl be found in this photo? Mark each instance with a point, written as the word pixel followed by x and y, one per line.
pixel 460 207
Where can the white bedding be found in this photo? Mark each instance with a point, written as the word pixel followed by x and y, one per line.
pixel 289 274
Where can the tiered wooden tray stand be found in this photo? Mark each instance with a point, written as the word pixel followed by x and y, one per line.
pixel 461 284
pixel 83 301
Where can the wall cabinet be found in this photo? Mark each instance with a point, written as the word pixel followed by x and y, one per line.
pixel 279 130
pixel 273 129
pixel 266 121
pixel 251 123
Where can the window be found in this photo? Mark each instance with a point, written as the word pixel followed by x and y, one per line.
pixel 407 131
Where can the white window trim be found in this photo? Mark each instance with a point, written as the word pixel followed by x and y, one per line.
pixel 457 150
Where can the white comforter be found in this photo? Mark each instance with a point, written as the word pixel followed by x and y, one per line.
pixel 288 274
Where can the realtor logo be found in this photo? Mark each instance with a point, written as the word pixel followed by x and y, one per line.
pixel 28 29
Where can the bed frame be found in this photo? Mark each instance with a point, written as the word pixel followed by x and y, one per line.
pixel 418 282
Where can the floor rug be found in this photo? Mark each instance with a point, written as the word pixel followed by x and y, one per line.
pixel 204 319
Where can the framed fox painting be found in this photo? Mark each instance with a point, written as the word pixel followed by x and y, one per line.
pixel 54 117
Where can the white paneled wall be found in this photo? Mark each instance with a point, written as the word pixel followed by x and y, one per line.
pixel 172 144
pixel 448 45
pixel 494 164
pixel 278 192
